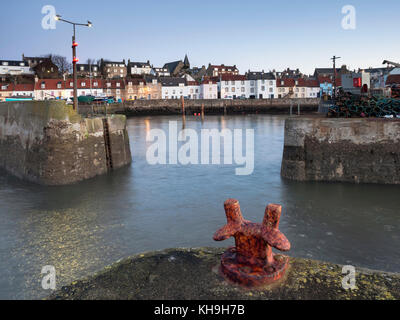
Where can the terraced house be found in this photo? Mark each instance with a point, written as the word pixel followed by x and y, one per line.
pixel 113 69
pixel 114 88
pixel 233 86
pixel 262 85
pixel 172 87
pixel 88 70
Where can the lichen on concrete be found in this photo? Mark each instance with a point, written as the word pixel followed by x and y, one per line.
pixel 47 142
pixel 192 274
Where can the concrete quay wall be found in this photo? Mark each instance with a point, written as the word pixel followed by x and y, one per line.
pixel 345 150
pixel 48 143
pixel 217 106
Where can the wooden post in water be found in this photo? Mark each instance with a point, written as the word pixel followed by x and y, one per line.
pixel 183 105
pixel 298 109
pixel 183 113
pixel 202 112
pixel 291 108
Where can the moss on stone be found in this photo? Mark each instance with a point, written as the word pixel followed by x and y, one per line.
pixel 192 274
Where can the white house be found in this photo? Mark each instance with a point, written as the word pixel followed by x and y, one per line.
pixel 209 88
pixel 85 87
pixel 262 85
pixel 233 86
pixel 11 67
pixel 172 88
pixel 24 90
pixel 139 68
pixel 49 89
pixel 192 90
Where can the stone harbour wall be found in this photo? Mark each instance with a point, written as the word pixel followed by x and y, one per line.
pixel 46 142
pixel 345 150
pixel 215 106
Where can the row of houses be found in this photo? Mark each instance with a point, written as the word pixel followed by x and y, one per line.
pixel 39 78
pixel 253 85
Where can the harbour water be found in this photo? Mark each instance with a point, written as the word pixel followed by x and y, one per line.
pixel 82 228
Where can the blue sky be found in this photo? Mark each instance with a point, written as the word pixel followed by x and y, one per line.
pixel 253 34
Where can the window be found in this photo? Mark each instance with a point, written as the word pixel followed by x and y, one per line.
pixel 226 83
pixel 43 85
pixel 233 83
pixel 108 84
pixel 233 89
pixel 242 83
pixel 58 85
pixel 83 84
pixel 95 84
pixel 71 84
pixel 263 88
pixel 118 84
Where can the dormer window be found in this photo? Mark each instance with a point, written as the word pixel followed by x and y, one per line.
pixel 59 85
pixel 43 85
pixel 118 84
pixel 108 84
pixel 71 84
pixel 95 84
pixel 83 84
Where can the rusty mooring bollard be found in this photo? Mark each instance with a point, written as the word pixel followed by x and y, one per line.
pixel 252 262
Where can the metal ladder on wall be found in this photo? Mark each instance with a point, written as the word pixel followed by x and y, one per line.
pixel 107 144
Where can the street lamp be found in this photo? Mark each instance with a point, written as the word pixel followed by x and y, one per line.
pixel 74 57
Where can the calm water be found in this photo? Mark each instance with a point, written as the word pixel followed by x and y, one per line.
pixel 82 228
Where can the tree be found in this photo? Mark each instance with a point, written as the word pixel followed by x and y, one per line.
pixel 61 62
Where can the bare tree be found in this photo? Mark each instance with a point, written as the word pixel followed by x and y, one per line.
pixel 61 62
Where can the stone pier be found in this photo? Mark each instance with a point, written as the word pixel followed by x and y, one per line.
pixel 48 143
pixel 345 150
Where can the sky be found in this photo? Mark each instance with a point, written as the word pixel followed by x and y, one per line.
pixel 252 34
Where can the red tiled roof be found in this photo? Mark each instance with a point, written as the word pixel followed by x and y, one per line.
pixel 207 80
pixel 50 84
pixel 135 81
pixel 393 79
pixel 301 82
pixel 286 82
pixel 69 83
pixel 24 87
pixel 231 77
pixel 8 85
pixel 114 84
pixel 322 79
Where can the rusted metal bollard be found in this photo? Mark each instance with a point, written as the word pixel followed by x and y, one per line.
pixel 252 262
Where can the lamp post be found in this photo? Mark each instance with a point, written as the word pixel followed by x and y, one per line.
pixel 74 57
pixel 334 77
